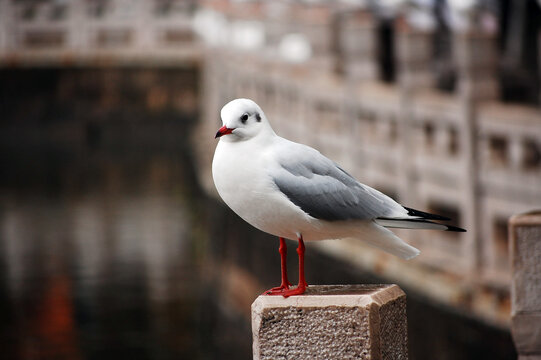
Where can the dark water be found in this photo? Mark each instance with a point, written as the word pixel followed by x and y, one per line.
pixel 109 249
pixel 103 227
pixel 96 275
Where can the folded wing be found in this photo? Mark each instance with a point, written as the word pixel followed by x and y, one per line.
pixel 325 191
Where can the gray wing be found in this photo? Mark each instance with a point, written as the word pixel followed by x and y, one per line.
pixel 325 191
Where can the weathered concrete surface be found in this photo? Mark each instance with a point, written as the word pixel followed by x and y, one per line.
pixel 332 322
pixel 525 250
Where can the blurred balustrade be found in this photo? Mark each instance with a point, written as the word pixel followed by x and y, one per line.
pixel 96 32
pixel 453 149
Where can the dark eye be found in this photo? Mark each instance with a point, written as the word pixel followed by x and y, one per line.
pixel 243 118
pixel 258 117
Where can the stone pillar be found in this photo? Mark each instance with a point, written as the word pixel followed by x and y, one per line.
pixel 525 252
pixel 356 45
pixel 332 322
pixel 414 55
pixel 7 17
pixel 414 73
pixel 476 56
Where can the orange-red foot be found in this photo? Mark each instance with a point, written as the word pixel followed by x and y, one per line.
pixel 286 292
pixel 278 289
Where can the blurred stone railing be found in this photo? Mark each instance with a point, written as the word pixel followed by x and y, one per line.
pixel 42 32
pixel 458 152
pixel 509 149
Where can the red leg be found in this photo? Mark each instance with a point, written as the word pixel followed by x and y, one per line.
pixel 300 251
pixel 301 286
pixel 283 265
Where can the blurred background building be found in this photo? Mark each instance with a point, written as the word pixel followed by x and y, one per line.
pixel 109 110
pixel 427 101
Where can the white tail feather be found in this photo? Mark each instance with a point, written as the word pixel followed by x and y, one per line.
pixel 378 236
pixel 405 224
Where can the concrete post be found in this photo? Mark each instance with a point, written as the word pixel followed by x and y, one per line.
pixel 332 322
pixel 525 252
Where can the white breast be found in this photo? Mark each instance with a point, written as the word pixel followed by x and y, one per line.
pixel 243 181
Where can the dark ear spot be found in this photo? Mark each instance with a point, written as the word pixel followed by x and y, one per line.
pixel 258 117
pixel 244 118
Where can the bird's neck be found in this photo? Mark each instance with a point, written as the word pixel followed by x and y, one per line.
pixel 267 132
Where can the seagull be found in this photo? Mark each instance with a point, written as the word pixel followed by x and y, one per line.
pixel 292 191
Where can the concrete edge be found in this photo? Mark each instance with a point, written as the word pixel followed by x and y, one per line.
pixel 315 300
pixel 531 218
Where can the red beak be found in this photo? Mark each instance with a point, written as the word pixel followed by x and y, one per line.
pixel 223 131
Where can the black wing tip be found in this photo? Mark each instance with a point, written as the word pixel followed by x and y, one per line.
pixel 425 215
pixel 455 228
pixel 429 216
